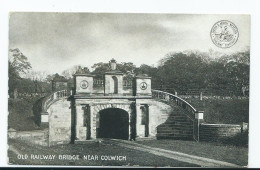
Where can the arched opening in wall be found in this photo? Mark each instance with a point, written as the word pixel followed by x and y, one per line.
pixel 113 123
pixel 115 84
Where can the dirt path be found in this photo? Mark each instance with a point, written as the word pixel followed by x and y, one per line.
pixel 201 161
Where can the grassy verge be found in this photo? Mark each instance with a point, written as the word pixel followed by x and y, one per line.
pixel 225 111
pixel 133 157
pixel 21 116
pixel 231 154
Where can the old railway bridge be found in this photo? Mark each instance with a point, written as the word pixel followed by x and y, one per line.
pixel 116 108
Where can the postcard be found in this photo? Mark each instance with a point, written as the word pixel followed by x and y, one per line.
pixel 128 89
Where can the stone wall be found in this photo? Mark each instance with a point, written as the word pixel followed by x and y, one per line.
pixel 60 122
pixel 60 117
pixel 38 137
pixel 158 114
pixel 109 84
pixel 99 90
pixel 215 132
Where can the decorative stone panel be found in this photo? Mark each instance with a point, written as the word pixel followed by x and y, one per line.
pixel 84 83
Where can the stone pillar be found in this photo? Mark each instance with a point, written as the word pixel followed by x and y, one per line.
pixel 198 117
pixel 93 123
pixel 142 130
pixel 133 121
pixel 147 120
pixel 139 127
pixel 129 128
pixel 87 120
pixel 80 127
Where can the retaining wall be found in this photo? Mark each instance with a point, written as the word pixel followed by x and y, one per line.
pixel 215 132
pixel 38 137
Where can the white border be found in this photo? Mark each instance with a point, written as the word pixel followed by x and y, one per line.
pixel 138 6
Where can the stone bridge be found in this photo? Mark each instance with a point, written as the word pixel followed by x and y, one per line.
pixel 161 115
pixel 115 108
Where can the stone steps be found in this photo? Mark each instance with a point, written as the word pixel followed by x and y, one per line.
pixel 145 138
pixel 175 132
pixel 175 136
pixel 177 126
pixel 176 122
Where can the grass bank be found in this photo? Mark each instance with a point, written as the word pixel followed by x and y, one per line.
pixel 217 151
pixel 133 157
pixel 20 115
pixel 223 111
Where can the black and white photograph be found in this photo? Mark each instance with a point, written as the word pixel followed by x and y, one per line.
pixel 128 89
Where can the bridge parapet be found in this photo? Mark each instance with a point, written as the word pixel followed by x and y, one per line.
pixel 171 98
pixel 54 97
pixel 47 102
pixel 194 115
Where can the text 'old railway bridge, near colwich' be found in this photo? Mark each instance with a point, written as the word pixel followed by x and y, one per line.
pixel 117 108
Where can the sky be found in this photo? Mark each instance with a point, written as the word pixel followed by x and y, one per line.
pixel 54 42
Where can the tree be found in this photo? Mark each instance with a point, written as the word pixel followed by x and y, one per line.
pixel 100 68
pixel 36 75
pixel 18 67
pixel 182 71
pixel 19 62
pixel 71 71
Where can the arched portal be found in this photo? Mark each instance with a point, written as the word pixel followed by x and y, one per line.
pixel 115 84
pixel 113 123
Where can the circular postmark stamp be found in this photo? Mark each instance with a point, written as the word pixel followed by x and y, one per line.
pixel 224 34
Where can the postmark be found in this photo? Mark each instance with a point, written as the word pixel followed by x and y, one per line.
pixel 224 34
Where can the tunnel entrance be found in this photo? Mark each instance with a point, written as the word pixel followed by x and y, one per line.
pixel 113 123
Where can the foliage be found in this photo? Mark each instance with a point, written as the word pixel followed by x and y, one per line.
pixel 17 67
pixel 22 79
pixel 223 111
pixel 100 68
pixel 20 114
pixel 79 69
pixel 214 71
pixel 195 70
pixel 19 61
